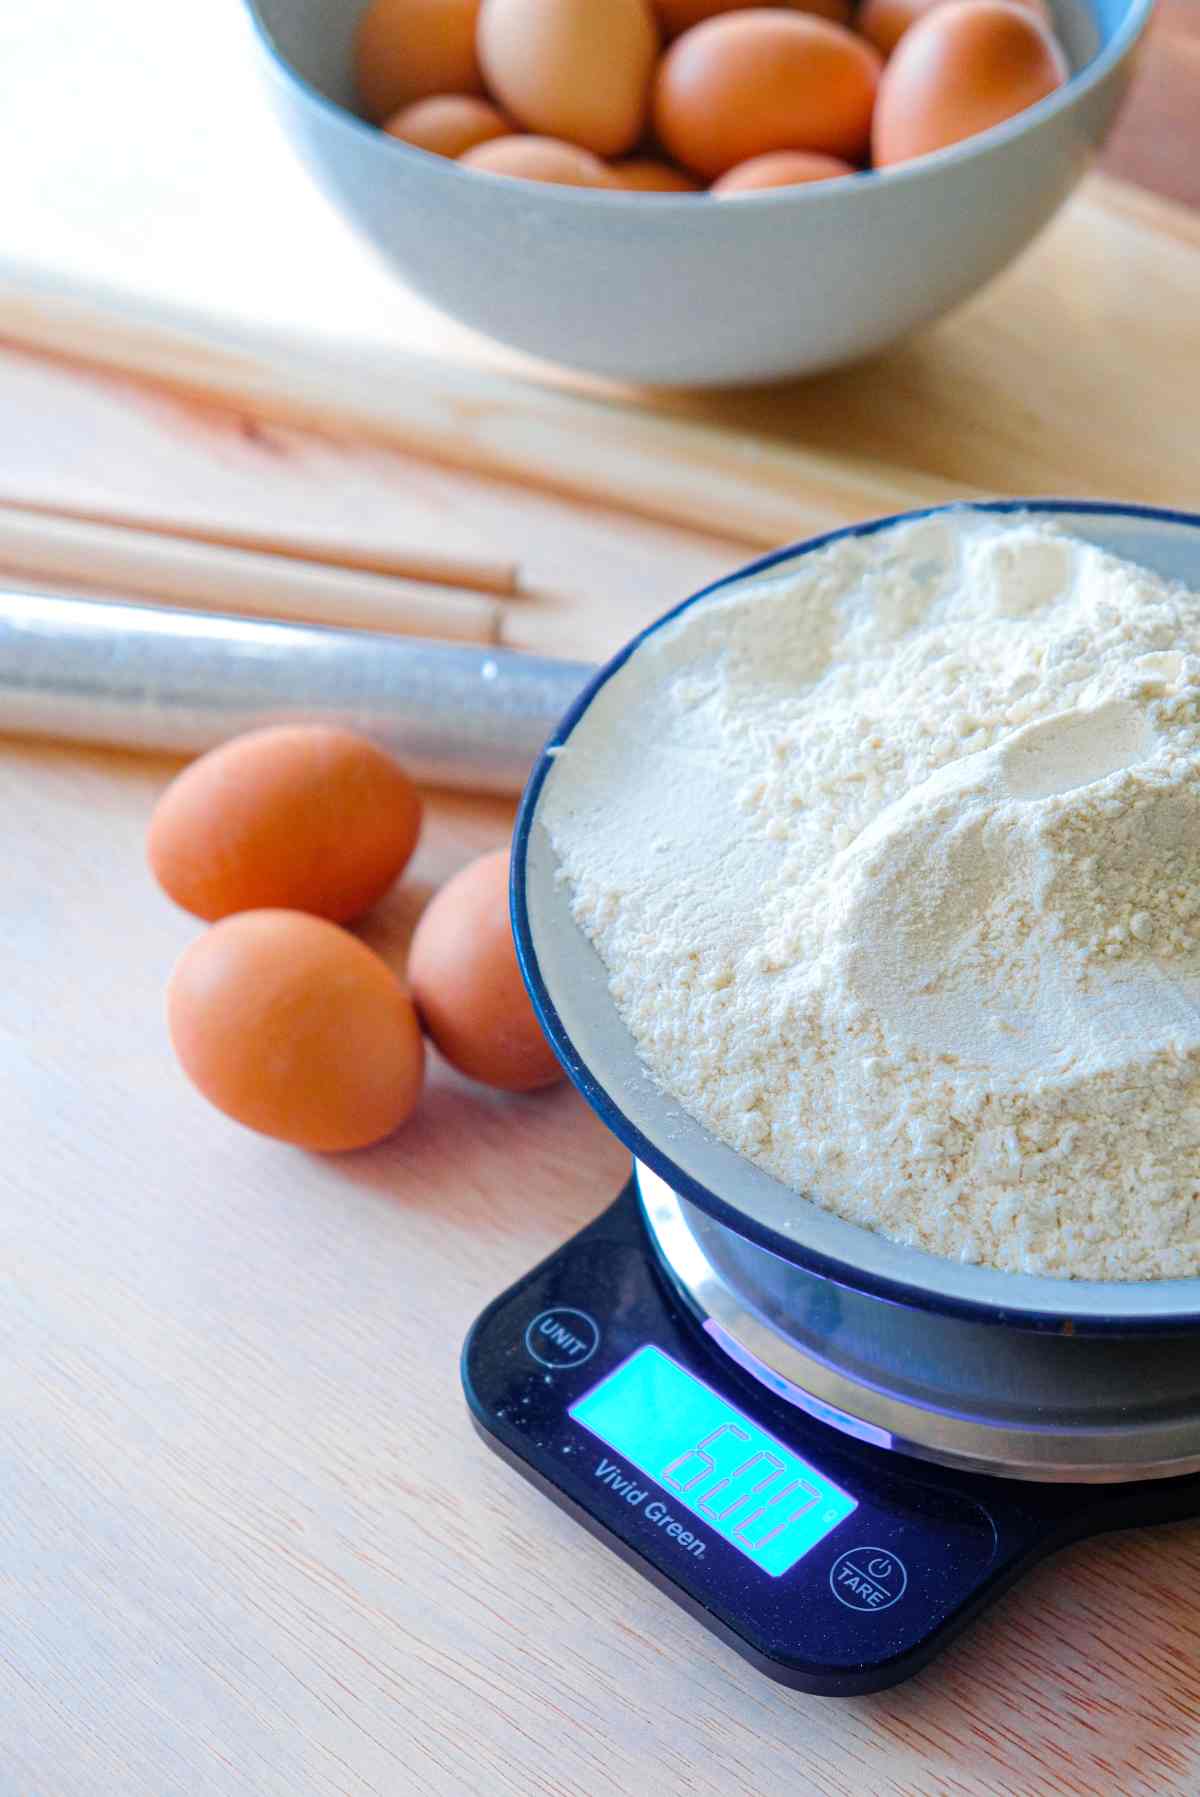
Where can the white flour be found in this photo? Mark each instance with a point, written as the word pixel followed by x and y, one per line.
pixel 894 862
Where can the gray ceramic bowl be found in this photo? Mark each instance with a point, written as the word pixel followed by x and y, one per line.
pixel 688 290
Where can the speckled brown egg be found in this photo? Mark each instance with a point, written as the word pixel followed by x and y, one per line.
pixel 884 22
pixel 967 65
pixel 780 168
pixel 468 987
pixel 676 16
pixel 746 83
pixel 301 816
pixel 407 49
pixel 448 124
pixel 292 1027
pixel 573 69
pixel 529 158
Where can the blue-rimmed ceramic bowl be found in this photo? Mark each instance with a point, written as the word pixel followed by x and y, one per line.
pixel 569 987
pixel 690 290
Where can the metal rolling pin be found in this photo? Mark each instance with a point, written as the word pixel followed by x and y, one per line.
pixel 143 677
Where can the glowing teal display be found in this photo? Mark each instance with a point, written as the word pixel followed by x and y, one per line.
pixel 742 1483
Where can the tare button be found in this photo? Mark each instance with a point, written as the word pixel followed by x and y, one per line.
pixel 562 1337
pixel 868 1578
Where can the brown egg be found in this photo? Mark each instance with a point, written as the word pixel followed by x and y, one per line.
pixel 538 159
pixel 406 49
pixel 781 168
pixel 642 174
pixel 290 1026
pixel 301 816
pixel 680 15
pixel 746 83
pixel 965 66
pixel 448 124
pixel 468 987
pixel 575 69
pixel 884 22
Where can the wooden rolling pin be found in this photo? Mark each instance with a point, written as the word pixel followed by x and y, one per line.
pixel 144 677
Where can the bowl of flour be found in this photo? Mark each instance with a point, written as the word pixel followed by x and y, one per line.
pixel 861 894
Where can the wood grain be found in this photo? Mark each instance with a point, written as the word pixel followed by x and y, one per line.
pixel 83 554
pixel 473 417
pixel 256 489
pixel 1002 397
pixel 248 1540
pixel 589 576
pixel 1154 143
pixel 1065 376
pixel 249 1546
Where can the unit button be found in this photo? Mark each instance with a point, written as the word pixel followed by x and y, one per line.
pixel 868 1578
pixel 562 1337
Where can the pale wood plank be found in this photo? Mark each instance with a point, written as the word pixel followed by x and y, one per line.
pixel 1071 374
pixel 248 1541
pixel 228 1391
pixel 470 416
pixel 106 448
pixel 589 577
pixel 1031 388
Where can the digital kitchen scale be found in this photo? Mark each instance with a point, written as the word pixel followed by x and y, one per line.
pixel 831 1447
pixel 833 1564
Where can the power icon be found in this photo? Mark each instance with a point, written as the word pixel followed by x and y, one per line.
pixel 868 1578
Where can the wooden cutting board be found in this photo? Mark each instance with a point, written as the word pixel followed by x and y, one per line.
pixel 1069 375
pixel 218 270
pixel 248 1543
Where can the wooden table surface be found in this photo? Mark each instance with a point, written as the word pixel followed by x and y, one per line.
pixel 248 1540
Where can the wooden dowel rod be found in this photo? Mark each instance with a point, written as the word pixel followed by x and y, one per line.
pixel 172 571
pixel 416 561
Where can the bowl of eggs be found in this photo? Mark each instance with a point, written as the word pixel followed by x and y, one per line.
pixel 698 192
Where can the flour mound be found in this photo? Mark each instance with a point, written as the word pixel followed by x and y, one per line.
pixel 894 863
